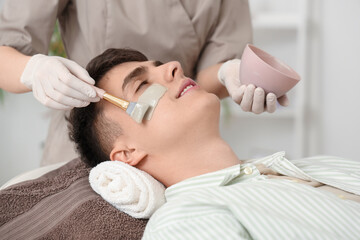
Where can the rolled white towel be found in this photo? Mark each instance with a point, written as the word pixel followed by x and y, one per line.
pixel 127 188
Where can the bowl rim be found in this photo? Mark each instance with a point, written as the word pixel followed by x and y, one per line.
pixel 251 47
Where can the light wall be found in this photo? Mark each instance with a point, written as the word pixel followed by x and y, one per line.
pixel 340 78
pixel 23 129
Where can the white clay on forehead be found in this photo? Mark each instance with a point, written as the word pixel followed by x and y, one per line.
pixel 151 97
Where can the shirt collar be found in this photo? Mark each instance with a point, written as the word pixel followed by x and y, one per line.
pixel 211 179
pixel 218 178
pixel 268 160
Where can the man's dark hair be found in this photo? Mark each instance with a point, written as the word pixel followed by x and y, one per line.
pixel 92 132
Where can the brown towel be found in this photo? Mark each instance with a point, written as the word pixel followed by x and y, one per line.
pixel 62 205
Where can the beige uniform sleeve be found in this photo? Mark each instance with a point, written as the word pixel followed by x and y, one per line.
pixel 27 25
pixel 229 36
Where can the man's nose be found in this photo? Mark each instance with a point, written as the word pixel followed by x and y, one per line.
pixel 173 70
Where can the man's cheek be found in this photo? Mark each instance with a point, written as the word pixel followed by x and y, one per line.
pixel 152 96
pixel 163 114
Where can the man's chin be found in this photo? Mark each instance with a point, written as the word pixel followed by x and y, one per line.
pixel 209 104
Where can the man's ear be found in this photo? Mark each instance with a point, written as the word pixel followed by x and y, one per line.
pixel 129 155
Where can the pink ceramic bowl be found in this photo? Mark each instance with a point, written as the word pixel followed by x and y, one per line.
pixel 263 70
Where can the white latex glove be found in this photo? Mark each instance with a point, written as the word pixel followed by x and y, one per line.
pixel 250 98
pixel 58 83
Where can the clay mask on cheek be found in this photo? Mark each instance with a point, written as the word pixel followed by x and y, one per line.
pixel 151 96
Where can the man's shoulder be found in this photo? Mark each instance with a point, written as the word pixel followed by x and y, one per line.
pixel 173 218
pixel 182 209
pixel 161 221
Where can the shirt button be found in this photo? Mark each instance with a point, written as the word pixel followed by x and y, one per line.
pixel 341 196
pixel 248 170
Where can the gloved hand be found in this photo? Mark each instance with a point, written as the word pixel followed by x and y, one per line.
pixel 249 97
pixel 58 83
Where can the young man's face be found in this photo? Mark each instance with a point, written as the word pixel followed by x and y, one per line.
pixel 177 119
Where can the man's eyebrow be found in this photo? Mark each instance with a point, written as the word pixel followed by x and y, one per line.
pixel 157 63
pixel 133 75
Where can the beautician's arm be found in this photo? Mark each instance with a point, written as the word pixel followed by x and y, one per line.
pixel 207 79
pixel 12 64
pixel 56 82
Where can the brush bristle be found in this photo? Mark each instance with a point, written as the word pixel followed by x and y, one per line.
pixel 137 111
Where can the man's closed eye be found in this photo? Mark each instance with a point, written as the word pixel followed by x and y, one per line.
pixel 141 85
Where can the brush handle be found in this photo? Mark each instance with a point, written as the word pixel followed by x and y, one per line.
pixel 121 103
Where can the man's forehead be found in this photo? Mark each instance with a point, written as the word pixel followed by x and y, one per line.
pixel 118 73
pixel 125 68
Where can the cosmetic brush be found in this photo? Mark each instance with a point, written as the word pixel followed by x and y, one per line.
pixel 136 110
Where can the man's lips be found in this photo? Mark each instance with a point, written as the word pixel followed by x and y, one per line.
pixel 187 85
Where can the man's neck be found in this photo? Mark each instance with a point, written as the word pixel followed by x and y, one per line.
pixel 208 156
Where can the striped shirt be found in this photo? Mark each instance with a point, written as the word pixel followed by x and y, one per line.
pixel 240 203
